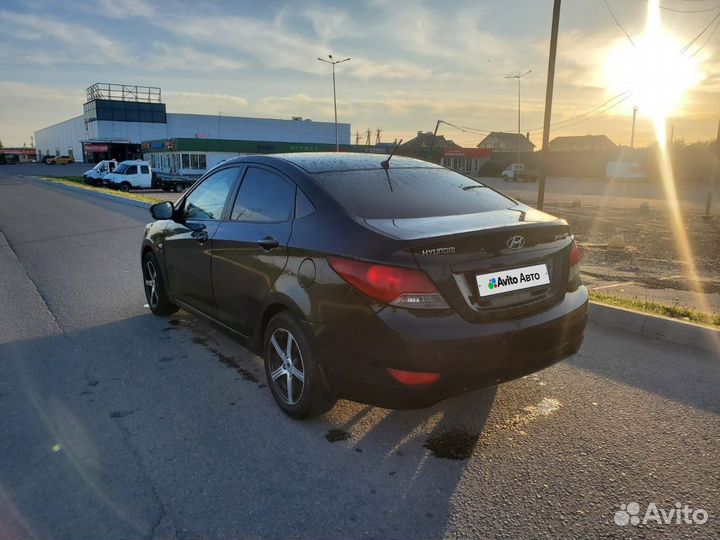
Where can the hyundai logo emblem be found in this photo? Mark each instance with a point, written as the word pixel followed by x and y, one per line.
pixel 516 242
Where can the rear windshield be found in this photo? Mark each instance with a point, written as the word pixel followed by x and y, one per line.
pixel 410 193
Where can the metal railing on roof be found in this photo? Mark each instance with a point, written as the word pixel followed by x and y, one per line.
pixel 124 92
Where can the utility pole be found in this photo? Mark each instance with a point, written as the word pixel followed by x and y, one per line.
pixel 632 135
pixel 548 103
pixel 714 178
pixel 432 141
pixel 672 134
pixel 334 63
pixel 518 77
pixel 357 137
pixel 378 131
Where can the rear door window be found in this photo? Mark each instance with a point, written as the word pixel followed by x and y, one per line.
pixel 410 193
pixel 264 197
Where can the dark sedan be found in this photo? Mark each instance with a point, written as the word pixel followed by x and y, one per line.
pixel 392 282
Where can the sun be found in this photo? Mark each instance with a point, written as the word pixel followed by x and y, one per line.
pixel 655 70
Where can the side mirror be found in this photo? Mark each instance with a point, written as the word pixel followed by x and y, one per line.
pixel 162 210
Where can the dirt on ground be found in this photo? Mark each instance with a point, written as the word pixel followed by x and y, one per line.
pixel 652 267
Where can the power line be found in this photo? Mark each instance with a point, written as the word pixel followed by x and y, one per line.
pixel 686 47
pixel 705 10
pixel 559 122
pixel 603 111
pixel 618 23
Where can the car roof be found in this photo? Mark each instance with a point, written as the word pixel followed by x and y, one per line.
pixel 322 162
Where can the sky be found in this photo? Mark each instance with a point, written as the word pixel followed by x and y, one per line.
pixel 412 62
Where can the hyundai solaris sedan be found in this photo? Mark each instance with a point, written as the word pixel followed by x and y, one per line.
pixel 393 282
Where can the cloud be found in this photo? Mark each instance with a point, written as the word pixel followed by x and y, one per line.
pixel 25 108
pixel 49 40
pixel 166 57
pixel 204 103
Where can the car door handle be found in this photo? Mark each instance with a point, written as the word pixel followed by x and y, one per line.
pixel 200 236
pixel 268 243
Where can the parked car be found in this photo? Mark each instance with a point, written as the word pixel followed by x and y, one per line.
pixel 61 160
pixel 130 174
pixel 396 283
pixel 492 168
pixel 95 176
pixel 624 170
pixel 518 172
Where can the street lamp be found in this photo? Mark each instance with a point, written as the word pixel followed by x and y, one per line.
pixel 334 62
pixel 518 77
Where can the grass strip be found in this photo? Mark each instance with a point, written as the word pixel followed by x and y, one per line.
pixel 656 308
pixel 77 182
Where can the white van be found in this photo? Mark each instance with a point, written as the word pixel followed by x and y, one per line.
pixel 624 170
pixel 95 176
pixel 131 174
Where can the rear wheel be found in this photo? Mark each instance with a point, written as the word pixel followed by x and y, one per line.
pixel 154 285
pixel 292 371
pixel 53 162
pixel 178 188
pixel 125 187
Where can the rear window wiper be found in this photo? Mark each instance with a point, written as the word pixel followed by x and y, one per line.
pixel 467 188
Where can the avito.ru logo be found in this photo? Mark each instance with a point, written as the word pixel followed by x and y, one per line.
pixel 677 515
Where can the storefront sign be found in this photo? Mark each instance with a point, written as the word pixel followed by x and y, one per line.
pixel 96 147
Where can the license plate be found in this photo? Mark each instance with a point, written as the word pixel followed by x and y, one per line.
pixel 516 279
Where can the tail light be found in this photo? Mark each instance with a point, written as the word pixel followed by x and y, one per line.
pixel 413 378
pixel 574 280
pixel 401 287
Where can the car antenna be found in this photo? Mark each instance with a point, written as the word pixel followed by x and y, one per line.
pixel 385 164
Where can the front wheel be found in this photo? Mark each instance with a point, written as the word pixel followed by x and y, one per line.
pixel 154 284
pixel 178 188
pixel 293 373
pixel 53 162
pixel 505 178
pixel 125 187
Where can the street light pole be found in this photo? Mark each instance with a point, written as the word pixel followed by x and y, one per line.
pixel 632 135
pixel 518 77
pixel 333 63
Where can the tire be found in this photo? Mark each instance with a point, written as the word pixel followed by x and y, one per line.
pixel 314 397
pixel 178 188
pixel 505 178
pixel 154 286
pixel 53 162
pixel 125 187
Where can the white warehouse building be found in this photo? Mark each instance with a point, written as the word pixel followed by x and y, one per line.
pixel 117 119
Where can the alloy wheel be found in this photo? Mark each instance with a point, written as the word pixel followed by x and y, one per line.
pixel 287 370
pixel 151 284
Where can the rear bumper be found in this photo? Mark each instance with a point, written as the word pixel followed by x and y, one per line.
pixel 355 357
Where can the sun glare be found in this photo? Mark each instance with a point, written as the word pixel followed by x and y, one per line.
pixel 655 70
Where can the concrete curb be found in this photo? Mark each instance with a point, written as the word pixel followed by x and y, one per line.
pixel 661 328
pixel 106 196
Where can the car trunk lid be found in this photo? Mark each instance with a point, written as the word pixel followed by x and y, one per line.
pixel 454 250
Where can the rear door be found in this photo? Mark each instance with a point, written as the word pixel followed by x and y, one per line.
pixel 250 248
pixel 188 245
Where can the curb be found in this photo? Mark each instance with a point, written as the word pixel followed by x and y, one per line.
pixel 657 327
pixel 106 196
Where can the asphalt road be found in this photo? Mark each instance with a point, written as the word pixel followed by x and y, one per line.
pixel 115 423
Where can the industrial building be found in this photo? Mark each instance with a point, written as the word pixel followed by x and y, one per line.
pixel 117 119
